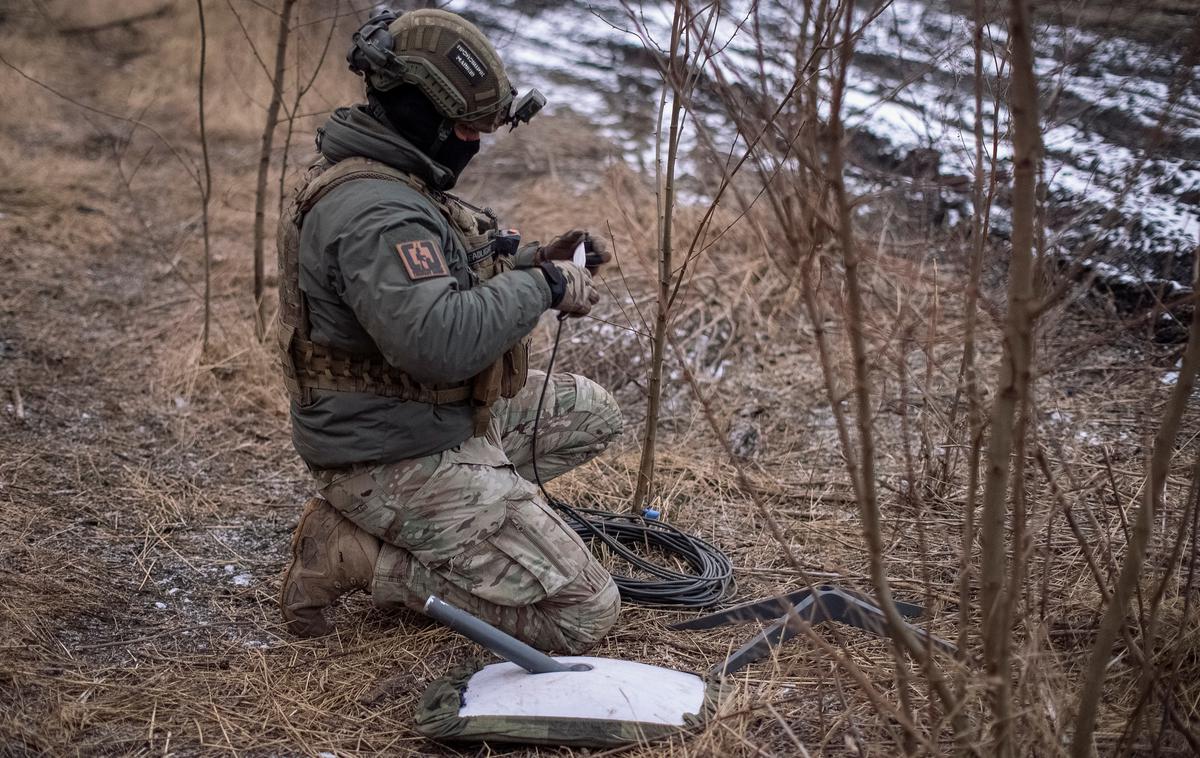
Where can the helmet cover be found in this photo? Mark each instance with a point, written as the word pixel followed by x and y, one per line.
pixel 450 60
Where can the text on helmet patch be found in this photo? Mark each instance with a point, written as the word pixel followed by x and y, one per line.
pixel 422 259
pixel 468 62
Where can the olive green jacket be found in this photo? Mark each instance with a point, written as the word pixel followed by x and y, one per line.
pixel 361 298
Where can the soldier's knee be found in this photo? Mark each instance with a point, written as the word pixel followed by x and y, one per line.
pixel 585 623
pixel 613 421
pixel 604 415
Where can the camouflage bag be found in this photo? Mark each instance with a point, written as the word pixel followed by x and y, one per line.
pixel 448 711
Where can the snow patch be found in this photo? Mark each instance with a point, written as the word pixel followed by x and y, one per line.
pixel 909 88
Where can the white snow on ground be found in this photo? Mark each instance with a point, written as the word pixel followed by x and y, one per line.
pixel 1086 432
pixel 1082 165
pixel 1171 378
pixel 910 86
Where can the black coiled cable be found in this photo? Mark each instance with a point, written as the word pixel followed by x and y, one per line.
pixel 711 580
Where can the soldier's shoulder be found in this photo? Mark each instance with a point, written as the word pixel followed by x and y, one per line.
pixel 365 204
pixel 377 193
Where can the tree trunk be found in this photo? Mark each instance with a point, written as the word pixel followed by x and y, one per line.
pixel 264 159
pixel 206 184
pixel 645 476
pixel 1013 391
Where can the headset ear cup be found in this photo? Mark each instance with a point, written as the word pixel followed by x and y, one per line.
pixel 371 49
pixel 354 56
pixel 379 47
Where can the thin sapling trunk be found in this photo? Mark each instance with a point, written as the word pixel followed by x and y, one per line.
pixel 1015 383
pixel 645 476
pixel 264 158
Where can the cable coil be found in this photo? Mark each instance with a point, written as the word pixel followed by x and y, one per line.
pixel 712 580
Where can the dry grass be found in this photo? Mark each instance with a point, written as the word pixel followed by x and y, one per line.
pixel 147 490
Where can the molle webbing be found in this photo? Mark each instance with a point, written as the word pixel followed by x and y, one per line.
pixel 325 368
pixel 308 365
pixel 347 170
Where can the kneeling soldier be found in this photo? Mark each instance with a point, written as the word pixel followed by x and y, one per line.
pixel 404 318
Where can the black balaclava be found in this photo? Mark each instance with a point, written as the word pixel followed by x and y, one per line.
pixel 411 114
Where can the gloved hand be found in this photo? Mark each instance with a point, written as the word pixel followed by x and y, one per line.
pixel 562 248
pixel 578 292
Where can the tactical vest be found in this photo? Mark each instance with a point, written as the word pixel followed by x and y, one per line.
pixel 308 365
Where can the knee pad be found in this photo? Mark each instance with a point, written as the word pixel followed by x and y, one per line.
pixel 605 422
pixel 586 622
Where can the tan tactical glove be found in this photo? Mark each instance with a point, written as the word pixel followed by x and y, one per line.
pixel 562 248
pixel 579 293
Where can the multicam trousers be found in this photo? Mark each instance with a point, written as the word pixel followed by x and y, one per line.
pixel 468 524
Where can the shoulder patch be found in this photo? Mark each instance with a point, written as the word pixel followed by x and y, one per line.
pixel 422 259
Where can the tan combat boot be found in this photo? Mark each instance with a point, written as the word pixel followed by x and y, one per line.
pixel 330 557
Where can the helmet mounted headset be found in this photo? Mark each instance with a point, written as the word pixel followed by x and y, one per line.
pixel 373 56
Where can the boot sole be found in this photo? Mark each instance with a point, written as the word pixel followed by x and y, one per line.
pixel 309 509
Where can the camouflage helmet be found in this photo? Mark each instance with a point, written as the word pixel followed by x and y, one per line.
pixel 446 57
